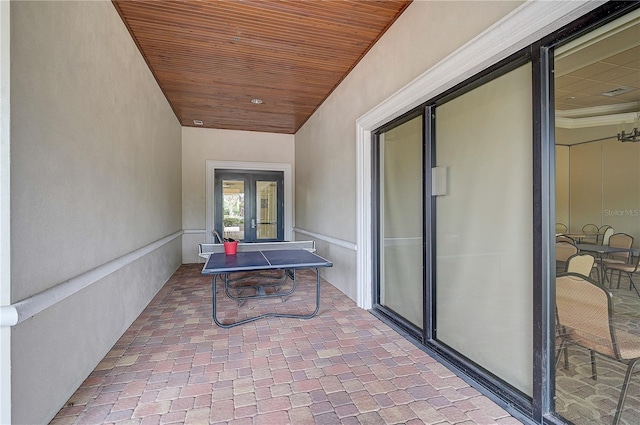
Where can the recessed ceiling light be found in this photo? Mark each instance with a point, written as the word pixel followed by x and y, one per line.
pixel 617 91
pixel 256 101
pixel 198 122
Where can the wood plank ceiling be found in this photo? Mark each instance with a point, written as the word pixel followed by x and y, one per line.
pixel 211 58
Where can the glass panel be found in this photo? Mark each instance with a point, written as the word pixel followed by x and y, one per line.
pixel 266 209
pixel 401 253
pixel 233 209
pixel 597 78
pixel 484 227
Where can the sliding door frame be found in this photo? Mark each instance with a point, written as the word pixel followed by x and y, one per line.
pixel 543 246
pixel 481 378
pixel 378 309
pixel 544 296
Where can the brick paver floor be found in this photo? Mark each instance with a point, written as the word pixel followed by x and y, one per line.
pixel 344 366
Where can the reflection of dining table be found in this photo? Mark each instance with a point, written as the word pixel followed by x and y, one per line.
pixel 576 236
pixel 601 250
pixel 579 237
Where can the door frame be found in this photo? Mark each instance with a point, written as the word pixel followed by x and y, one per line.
pixel 212 165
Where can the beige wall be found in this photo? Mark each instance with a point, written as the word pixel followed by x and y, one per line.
pixel 95 174
pixel 604 180
pixel 585 175
pixel 200 145
pixel 326 145
pixel 621 187
pixel 562 185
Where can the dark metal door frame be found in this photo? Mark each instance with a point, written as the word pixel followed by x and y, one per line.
pixel 250 177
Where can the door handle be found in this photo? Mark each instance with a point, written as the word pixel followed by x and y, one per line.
pixel 253 223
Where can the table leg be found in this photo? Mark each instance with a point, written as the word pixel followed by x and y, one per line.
pixel 601 274
pixel 260 292
pixel 262 316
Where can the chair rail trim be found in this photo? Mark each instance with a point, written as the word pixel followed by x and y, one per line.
pixel 18 312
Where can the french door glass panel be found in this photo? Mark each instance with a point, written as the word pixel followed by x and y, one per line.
pixel 484 227
pixel 266 210
pixel 249 205
pixel 401 228
pixel 233 209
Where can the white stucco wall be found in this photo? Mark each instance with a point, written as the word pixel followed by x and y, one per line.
pixel 326 145
pixel 95 174
pixel 200 145
pixel 5 211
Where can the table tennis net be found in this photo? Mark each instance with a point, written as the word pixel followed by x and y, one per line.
pixel 205 249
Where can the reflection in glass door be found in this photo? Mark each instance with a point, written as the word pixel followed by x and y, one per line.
pixel 596 79
pixel 400 223
pixel 266 220
pixel 249 206
pixel 233 209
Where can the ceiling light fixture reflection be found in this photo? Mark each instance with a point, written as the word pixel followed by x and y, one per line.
pixel 256 101
pixel 618 91
pixel 634 136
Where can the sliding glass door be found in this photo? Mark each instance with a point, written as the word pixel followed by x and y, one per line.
pixel 483 227
pixel 597 98
pixel 400 222
pixel 467 289
pixel 467 188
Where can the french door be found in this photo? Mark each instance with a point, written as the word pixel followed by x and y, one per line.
pixel 249 205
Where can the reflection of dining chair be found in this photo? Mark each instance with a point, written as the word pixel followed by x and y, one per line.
pixel 628 268
pixel 585 317
pixel 564 250
pixel 565 238
pixel 590 232
pixel 581 264
pixel 561 228
pixel 619 240
pixel 604 233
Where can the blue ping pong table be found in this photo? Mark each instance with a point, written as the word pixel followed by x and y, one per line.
pixel 256 261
